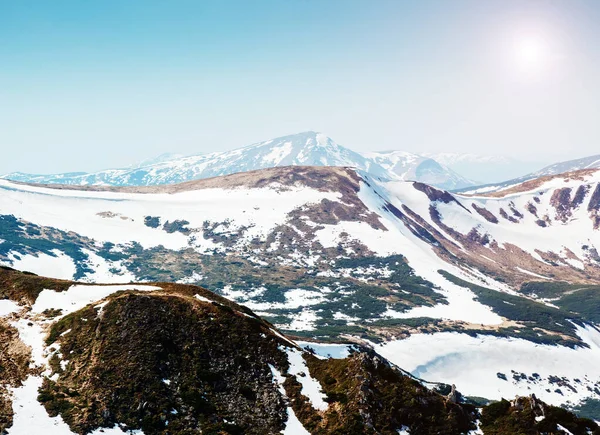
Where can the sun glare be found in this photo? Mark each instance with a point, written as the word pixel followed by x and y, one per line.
pixel 531 54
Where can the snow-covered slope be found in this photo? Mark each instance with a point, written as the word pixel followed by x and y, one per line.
pixel 536 228
pixel 306 149
pixel 494 367
pixel 330 252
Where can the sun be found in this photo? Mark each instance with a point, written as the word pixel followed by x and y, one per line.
pixel 531 54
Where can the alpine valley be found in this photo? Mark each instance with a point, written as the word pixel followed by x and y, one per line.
pixel 343 298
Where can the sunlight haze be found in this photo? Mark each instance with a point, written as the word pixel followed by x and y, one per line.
pixel 114 83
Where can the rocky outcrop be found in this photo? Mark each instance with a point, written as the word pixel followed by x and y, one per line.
pixel 437 195
pixel 488 215
pixel 565 202
pixel 594 207
pixel 530 416
pixel 14 368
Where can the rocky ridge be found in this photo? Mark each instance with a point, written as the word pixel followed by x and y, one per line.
pixel 178 359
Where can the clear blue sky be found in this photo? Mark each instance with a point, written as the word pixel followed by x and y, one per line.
pixel 86 85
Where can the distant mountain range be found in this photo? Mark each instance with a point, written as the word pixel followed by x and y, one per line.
pixel 303 149
pixel 414 167
pixel 485 168
pixel 450 171
pixel 591 162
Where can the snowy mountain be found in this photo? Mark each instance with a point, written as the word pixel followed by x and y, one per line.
pixel 500 283
pixel 568 166
pixel 152 359
pixel 307 149
pixel 407 166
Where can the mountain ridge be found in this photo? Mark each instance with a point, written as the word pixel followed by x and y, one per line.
pixel 306 149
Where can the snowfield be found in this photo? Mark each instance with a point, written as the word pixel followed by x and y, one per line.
pixel 473 365
pixel 60 266
pixel 114 216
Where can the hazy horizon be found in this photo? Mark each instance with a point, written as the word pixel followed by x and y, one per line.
pixel 109 84
pixel 143 160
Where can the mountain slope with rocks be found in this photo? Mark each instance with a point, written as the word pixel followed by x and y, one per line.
pixel 331 253
pixel 168 358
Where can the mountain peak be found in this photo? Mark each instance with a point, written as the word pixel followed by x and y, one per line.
pixel 308 148
pixel 301 139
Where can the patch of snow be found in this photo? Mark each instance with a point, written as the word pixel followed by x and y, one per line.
pixel 527 272
pixel 100 308
pixel 477 431
pixel 202 298
pixel 32 334
pixel 78 296
pixel 311 388
pixel 293 425
pixel 242 295
pixel 8 307
pixel 192 279
pixel 104 271
pixel 294 298
pixel 564 429
pixel 59 266
pixel 302 321
pixel 116 430
pixel 472 364
pixel 30 416
pixel 277 154
pixel 578 264
pixel 341 316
